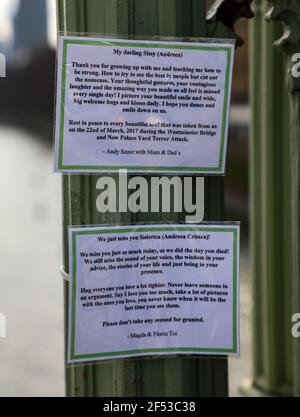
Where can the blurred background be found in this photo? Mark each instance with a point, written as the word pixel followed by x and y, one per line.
pixel 31 356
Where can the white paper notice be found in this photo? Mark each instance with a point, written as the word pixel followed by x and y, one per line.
pixel 145 106
pixel 153 290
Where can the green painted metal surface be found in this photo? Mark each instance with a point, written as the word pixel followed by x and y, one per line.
pixel 180 376
pixel 288 13
pixel 270 211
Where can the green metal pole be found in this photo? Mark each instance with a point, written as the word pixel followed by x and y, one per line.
pixel 270 213
pixel 184 376
pixel 288 12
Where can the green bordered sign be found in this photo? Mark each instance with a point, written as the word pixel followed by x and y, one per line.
pixel 144 106
pixel 153 290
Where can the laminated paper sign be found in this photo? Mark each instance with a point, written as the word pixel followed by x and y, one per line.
pixel 153 290
pixel 145 106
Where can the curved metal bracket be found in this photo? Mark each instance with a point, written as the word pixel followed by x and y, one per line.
pixel 288 13
pixel 223 15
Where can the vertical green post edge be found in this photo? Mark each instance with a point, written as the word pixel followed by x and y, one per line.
pixel 270 214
